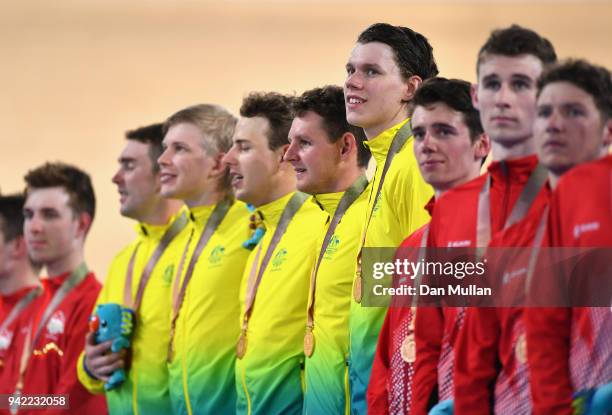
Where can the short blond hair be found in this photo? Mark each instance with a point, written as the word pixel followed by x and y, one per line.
pixel 215 122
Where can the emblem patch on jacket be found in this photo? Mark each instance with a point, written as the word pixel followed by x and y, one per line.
pixel 5 339
pixel 56 324
pixel 279 259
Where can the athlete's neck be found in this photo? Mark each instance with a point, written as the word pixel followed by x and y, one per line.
pixel 162 212
pixel 279 189
pixel 344 180
pixel 512 151
pixel 440 188
pixel 19 278
pixel 65 264
pixel 375 130
pixel 207 198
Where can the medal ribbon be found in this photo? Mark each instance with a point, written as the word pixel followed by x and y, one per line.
pixel 536 180
pixel 23 303
pixel 173 230
pixel 349 196
pixel 294 204
pixel 402 135
pixel 178 296
pixel 30 342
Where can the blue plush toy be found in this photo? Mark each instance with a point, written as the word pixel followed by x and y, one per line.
pixel 113 322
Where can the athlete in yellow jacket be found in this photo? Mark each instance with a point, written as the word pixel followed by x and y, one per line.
pixel 205 294
pixel 330 160
pixel 386 66
pixel 145 391
pixel 275 285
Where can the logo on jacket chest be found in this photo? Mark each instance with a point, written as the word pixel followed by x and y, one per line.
pixel 5 339
pixel 459 244
pixel 168 274
pixel 279 259
pixel 583 228
pixel 377 204
pixel 332 247
pixel 216 255
pixel 56 324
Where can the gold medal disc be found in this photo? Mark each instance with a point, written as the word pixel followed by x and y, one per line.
pixel 357 286
pixel 309 343
pixel 408 349
pixel 520 349
pixel 241 346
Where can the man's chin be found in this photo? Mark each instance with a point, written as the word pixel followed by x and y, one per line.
pixel 169 194
pixel 243 196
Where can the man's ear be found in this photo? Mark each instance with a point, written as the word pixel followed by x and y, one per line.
pixel 482 146
pixel 347 145
pixel 607 133
pixel 219 168
pixel 410 87
pixel 84 224
pixel 474 95
pixel 280 152
pixel 17 248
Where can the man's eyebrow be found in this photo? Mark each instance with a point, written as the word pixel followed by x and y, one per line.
pixel 522 77
pixel 490 77
pixel 124 159
pixel 443 125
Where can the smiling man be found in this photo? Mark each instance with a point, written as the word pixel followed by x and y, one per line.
pixel 329 159
pixel 274 290
pixel 384 70
pixel 449 145
pixel 205 293
pixel 139 278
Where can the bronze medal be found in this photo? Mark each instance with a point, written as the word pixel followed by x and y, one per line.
pixel 241 346
pixel 357 286
pixel 520 349
pixel 408 349
pixel 309 343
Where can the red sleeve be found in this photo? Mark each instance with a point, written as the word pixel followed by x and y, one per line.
pixel 548 341
pixel 476 351
pixel 80 400
pixel 548 346
pixel 377 394
pixel 429 330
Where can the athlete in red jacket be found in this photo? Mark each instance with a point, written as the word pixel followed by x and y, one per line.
pixel 493 338
pixel 569 349
pixel 508 66
pixel 450 146
pixel 19 285
pixel 59 209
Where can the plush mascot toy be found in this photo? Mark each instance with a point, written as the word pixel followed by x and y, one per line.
pixel 113 322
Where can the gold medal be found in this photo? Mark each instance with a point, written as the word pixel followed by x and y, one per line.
pixel 357 289
pixel 520 349
pixel 408 349
pixel 309 342
pixel 241 346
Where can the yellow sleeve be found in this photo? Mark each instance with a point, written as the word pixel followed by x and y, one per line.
pixel 91 384
pixel 110 284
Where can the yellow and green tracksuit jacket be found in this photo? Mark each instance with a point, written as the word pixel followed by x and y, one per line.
pixel 398 212
pixel 145 390
pixel 269 376
pixel 202 366
pixel 327 370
